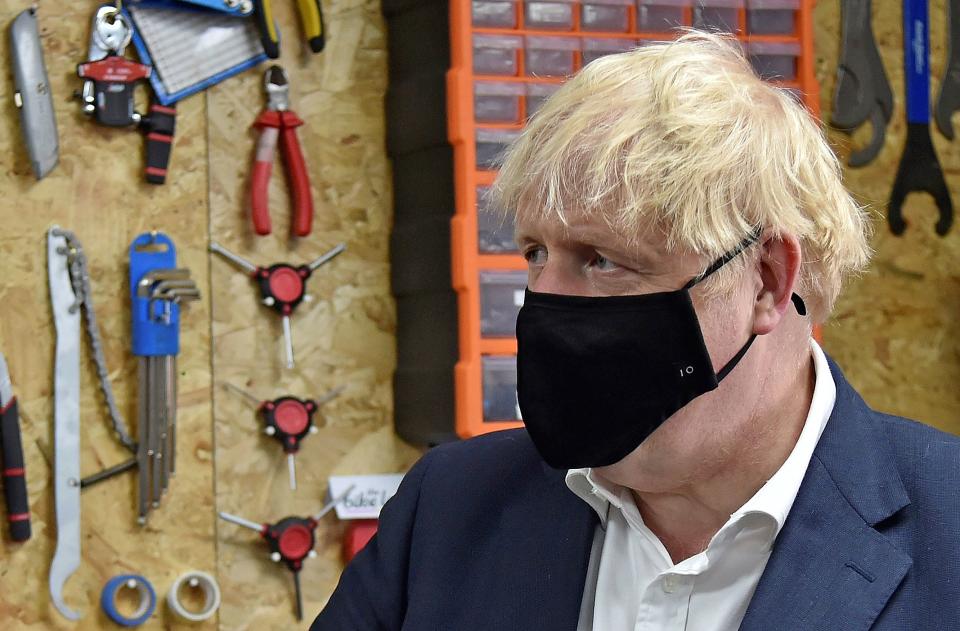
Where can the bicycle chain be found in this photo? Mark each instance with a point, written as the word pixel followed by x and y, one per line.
pixel 80 279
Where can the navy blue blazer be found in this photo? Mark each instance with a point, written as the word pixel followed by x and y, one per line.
pixel 483 535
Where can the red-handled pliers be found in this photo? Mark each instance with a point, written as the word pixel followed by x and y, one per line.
pixel 278 120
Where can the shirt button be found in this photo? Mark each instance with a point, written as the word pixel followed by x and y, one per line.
pixel 670 583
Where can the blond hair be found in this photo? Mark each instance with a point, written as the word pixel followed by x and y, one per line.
pixel 684 137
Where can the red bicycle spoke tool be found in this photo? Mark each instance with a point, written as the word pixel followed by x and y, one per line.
pixel 277 122
pixel 289 420
pixel 282 286
pixel 291 540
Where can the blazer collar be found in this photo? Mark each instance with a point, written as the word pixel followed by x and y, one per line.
pixel 830 568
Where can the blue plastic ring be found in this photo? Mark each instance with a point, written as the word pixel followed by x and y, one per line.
pixel 148 599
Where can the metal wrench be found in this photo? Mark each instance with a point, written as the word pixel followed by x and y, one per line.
pixel 919 168
pixel 862 92
pixel 949 99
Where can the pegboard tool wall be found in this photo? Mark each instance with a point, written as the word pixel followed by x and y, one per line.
pixel 345 336
pixel 895 330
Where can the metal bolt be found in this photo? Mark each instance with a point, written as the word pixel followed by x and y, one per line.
pixel 270 431
pixel 275 557
pixel 269 301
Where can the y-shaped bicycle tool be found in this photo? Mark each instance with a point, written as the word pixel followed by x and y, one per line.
pixel 289 420
pixel 919 169
pixel 282 286
pixel 291 540
pixel 863 92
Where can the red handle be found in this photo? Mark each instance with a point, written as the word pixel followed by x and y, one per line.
pixel 260 180
pixel 299 183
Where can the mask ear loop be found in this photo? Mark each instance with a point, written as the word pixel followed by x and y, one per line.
pixel 720 262
pixel 753 237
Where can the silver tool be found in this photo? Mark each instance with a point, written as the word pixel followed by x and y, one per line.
pixel 32 94
pixel 110 33
pixel 158 391
pixel 66 315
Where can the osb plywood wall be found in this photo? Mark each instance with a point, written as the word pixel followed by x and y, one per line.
pixel 343 337
pixel 895 330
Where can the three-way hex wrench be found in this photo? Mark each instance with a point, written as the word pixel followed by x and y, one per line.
pixel 291 539
pixel 288 420
pixel 282 286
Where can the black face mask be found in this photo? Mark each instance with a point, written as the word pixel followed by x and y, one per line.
pixel 596 376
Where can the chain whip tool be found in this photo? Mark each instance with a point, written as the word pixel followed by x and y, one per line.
pixel 291 539
pixel 282 286
pixel 66 433
pixel 157 288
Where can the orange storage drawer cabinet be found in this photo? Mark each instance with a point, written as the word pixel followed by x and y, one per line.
pixel 506 58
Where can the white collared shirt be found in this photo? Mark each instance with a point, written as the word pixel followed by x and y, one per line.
pixel 633 585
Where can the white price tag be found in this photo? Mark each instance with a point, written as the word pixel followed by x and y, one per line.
pixel 518 297
pixel 369 494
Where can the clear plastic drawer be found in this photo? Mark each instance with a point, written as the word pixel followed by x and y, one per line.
pixel 597 47
pixel 491 144
pixel 772 17
pixel 500 388
pixel 501 296
pixel 494 13
pixel 661 15
pixel 604 15
pixel 494 228
pixel 548 14
pixel 550 56
pixel 497 101
pixel 496 54
pixel 775 60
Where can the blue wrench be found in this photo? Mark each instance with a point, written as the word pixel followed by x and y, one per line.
pixel 919 169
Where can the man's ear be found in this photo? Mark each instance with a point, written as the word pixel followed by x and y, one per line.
pixel 779 269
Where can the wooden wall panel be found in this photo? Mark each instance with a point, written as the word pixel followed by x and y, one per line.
pixel 97 191
pixel 344 337
pixel 896 329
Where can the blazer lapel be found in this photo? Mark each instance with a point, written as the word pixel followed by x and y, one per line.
pixel 830 568
pixel 552 556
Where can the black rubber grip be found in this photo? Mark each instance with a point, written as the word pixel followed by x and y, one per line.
pixel 268 29
pixel 159 126
pixel 14 475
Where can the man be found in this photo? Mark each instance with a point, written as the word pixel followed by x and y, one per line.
pixel 691 458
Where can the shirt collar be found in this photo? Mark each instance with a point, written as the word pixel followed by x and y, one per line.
pixel 775 498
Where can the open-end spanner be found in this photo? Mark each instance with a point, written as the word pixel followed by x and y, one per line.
pixel 948 101
pixel 919 169
pixel 862 92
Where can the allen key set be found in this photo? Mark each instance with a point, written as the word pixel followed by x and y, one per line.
pixel 157 288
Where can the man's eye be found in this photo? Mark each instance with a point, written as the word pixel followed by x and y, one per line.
pixel 536 256
pixel 603 263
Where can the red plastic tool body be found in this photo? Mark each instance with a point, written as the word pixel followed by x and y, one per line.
pixel 280 126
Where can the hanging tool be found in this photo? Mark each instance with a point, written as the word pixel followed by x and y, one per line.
pixel 919 168
pixel 289 420
pixel 311 20
pixel 277 120
pixel 14 473
pixel 66 410
pixel 32 94
pixel 291 539
pixel 949 100
pixel 282 286
pixel 107 92
pixel 863 92
pixel 157 289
